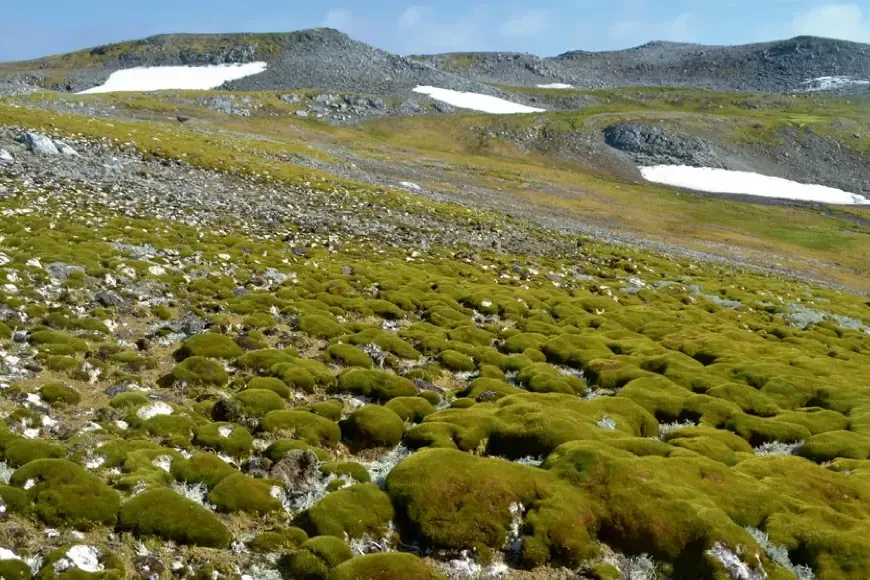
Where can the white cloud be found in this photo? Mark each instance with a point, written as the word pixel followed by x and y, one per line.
pixel 423 30
pixel 683 28
pixel 529 23
pixel 843 21
pixel 338 18
pixel 412 16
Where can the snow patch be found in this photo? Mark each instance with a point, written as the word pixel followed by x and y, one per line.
pixel 555 86
pixel 747 183
pixel 8 554
pixel 159 78
pixel 476 101
pixel 153 410
pixel 225 431
pixel 832 83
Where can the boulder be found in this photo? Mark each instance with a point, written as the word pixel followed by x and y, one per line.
pixel 39 144
pixel 6 157
pixel 297 469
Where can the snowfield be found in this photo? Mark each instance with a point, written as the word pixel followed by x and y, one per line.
pixel 556 86
pixel 832 83
pixel 476 101
pixel 158 78
pixel 747 183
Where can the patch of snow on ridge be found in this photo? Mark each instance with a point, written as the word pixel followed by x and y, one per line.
pixel 159 78
pixel 476 101
pixel 832 83
pixel 746 183
pixel 556 86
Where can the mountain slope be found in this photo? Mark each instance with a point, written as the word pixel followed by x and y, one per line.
pixel 781 66
pixel 320 58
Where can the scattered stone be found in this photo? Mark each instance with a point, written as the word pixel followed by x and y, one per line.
pixel 298 469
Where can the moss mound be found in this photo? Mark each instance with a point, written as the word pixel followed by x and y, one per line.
pixel 315 558
pixel 277 386
pixel 65 494
pixel 14 570
pixel 279 540
pixel 59 394
pixel 356 510
pixel 410 409
pixel 393 566
pixel 198 370
pixel 258 402
pixel 228 438
pixel 331 410
pixel 280 448
pixel 371 427
pixel 165 514
pixel 350 469
pixel 347 355
pixel 379 385
pixel 205 468
pixel 303 425
pixel 240 493
pixel 210 345
pixel 23 451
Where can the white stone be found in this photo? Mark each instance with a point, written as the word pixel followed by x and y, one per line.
pixel 154 409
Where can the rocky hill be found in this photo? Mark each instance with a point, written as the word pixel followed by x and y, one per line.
pixel 330 60
pixel 781 67
pixel 310 59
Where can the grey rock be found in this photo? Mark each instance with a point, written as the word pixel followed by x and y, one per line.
pixel 65 149
pixel 443 107
pixel 377 103
pixel 116 390
pixel 61 271
pixel 108 298
pixel 649 145
pixel 39 144
pixel 298 469
pixel 425 386
pixel 149 568
pixel 410 107
pixel 302 114
pixel 291 99
pixel 6 157
pixel 182 118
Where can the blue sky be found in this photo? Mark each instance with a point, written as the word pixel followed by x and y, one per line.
pixel 546 27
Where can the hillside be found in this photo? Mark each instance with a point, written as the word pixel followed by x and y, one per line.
pixel 775 67
pixel 309 59
pixel 316 325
